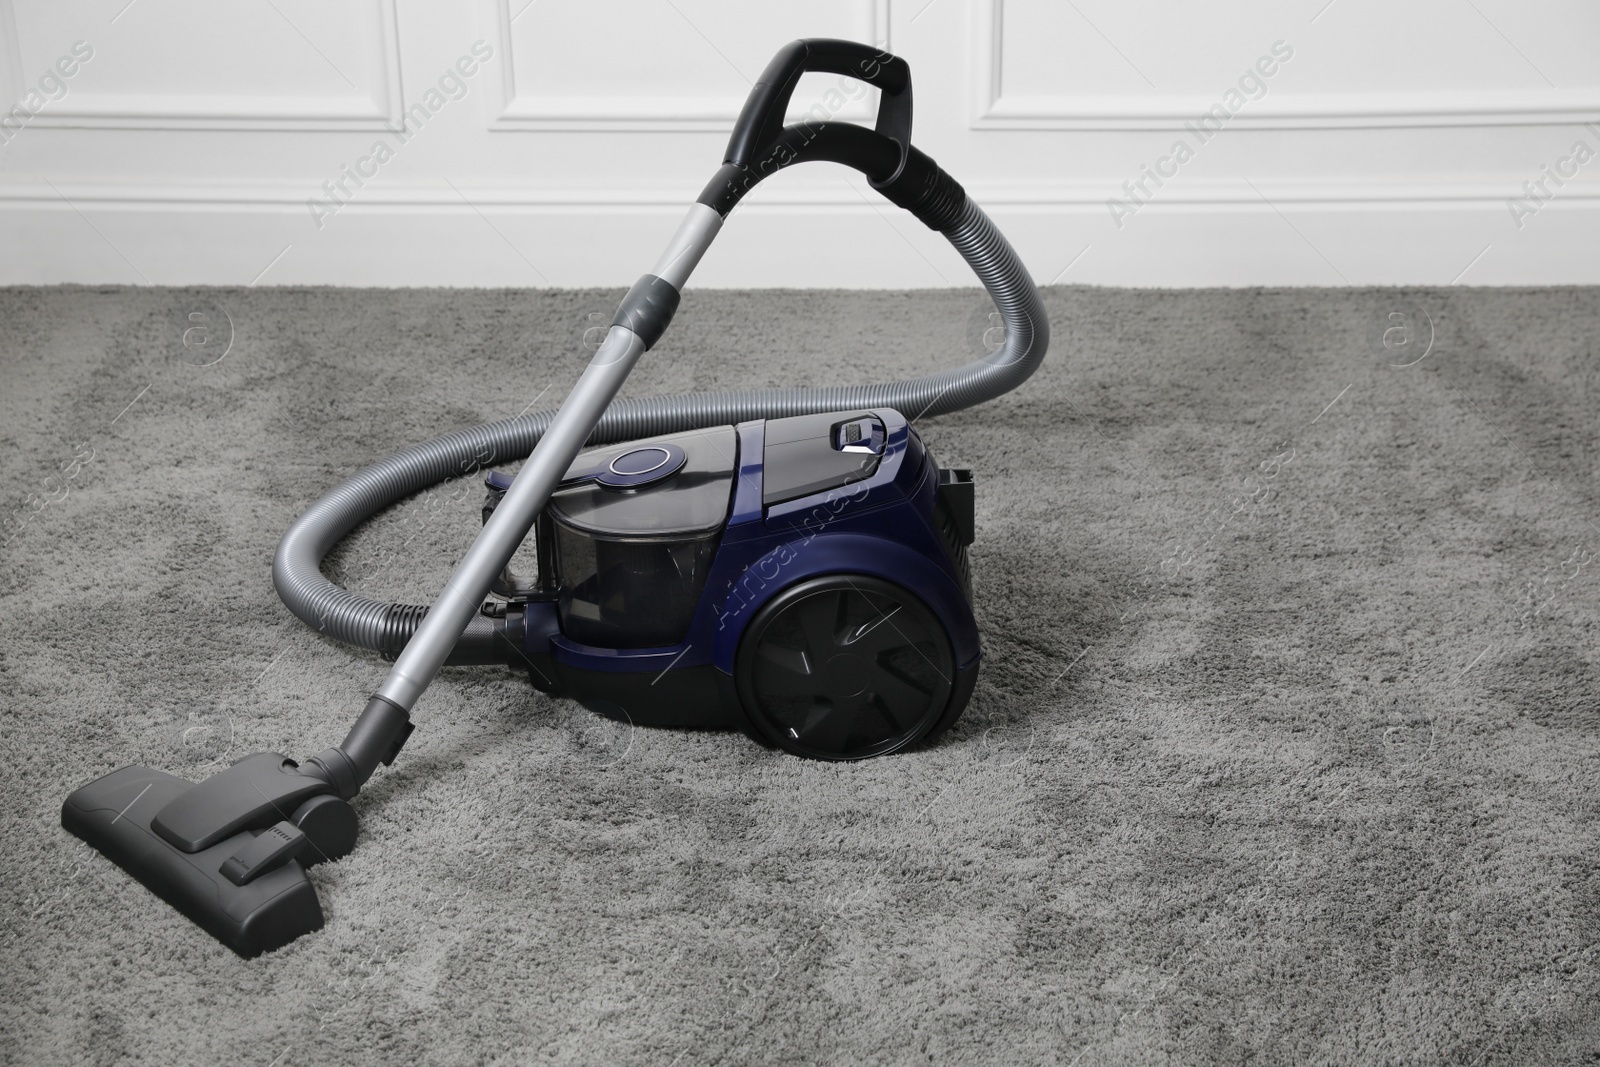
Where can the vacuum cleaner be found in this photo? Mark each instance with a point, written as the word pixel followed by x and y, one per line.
pixel 787 561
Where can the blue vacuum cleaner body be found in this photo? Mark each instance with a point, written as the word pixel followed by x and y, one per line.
pixel 803 578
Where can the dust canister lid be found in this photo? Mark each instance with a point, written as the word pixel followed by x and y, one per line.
pixel 669 486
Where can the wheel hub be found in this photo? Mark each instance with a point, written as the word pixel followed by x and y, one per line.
pixel 846 675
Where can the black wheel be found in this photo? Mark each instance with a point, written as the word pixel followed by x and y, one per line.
pixel 844 667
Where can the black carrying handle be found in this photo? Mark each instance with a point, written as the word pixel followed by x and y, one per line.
pixel 761 145
pixel 761 119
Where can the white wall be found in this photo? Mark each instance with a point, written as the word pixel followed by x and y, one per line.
pixel 1385 149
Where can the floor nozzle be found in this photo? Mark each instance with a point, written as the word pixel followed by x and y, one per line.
pixel 234 865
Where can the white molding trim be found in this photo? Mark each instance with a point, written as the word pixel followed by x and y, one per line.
pixel 854 196
pixel 993 109
pixel 1173 246
pixel 517 110
pixel 381 110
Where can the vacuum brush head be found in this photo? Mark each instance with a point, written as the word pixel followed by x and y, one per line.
pixel 229 853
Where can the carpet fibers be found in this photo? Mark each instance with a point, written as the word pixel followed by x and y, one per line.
pixel 1284 749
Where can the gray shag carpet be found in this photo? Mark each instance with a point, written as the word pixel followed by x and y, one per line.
pixel 1284 750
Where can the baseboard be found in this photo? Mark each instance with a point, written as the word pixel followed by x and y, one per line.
pixel 835 236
